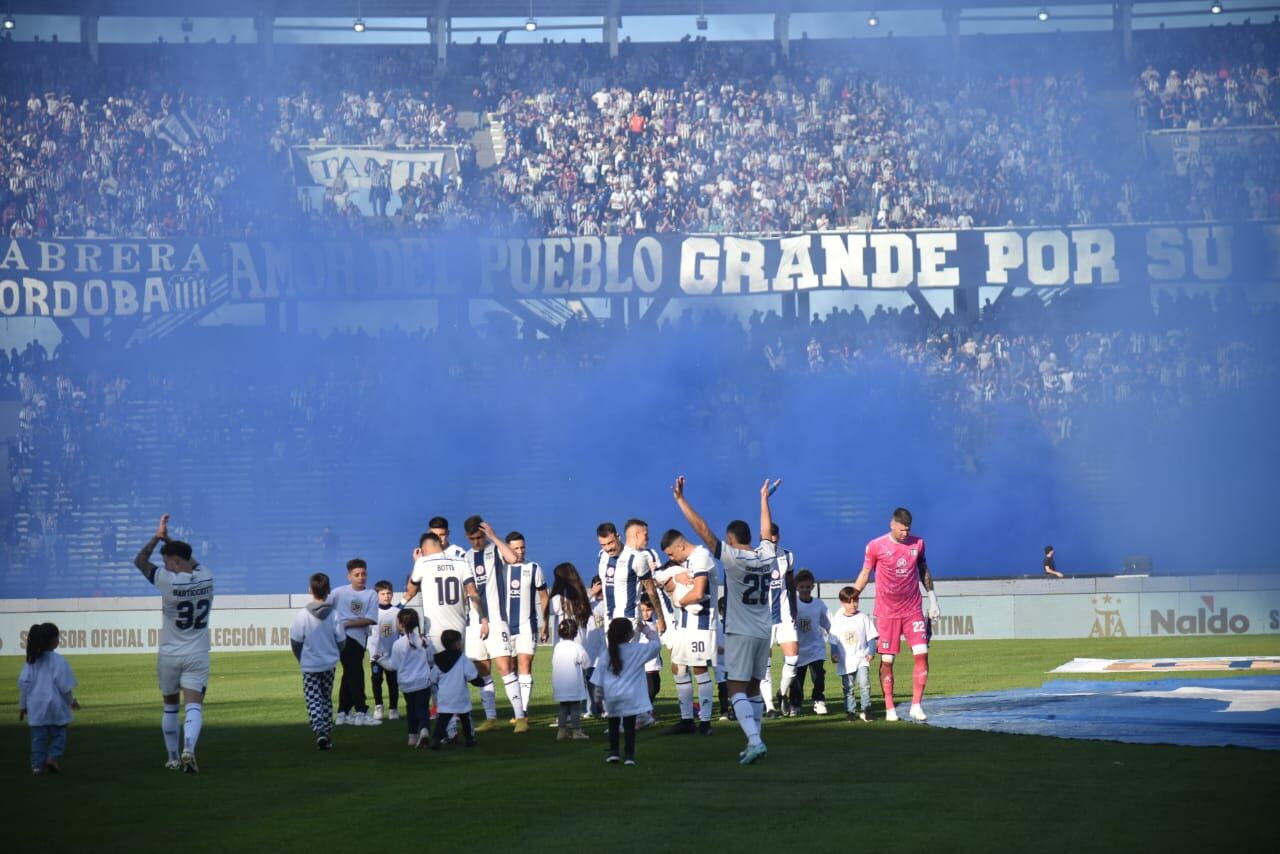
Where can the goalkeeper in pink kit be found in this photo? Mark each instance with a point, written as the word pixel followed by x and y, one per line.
pixel 897 558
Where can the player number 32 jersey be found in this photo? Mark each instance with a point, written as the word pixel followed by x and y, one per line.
pixel 188 599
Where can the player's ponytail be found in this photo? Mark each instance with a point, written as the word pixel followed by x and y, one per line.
pixel 620 632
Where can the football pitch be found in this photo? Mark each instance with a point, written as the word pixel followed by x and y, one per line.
pixel 826 785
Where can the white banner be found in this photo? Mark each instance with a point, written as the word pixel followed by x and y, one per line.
pixel 355 165
pixel 96 632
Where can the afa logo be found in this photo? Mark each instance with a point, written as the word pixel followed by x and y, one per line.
pixel 1106 620
pixel 357 606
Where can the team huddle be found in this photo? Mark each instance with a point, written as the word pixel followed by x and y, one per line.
pixel 468 612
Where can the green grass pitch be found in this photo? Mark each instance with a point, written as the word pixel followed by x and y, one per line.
pixel 827 785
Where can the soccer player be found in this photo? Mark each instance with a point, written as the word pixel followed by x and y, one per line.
pixel 186 589
pixel 488 560
pixel 747 621
pixel 782 606
pixel 440 527
pixel 692 588
pixel 446 582
pixel 627 571
pixel 524 583
pixel 898 560
pixel 813 622
pixel 355 607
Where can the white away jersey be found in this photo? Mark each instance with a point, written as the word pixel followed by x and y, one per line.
pixel 746 596
pixel 188 598
pixel 443 596
pixel 517 595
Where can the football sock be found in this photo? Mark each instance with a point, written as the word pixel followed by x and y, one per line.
pixel 706 695
pixel 526 690
pixel 766 687
pixel 788 674
pixel 487 698
pixel 886 682
pixel 191 726
pixel 684 693
pixel 169 726
pixel 746 719
pixel 919 676
pixel 757 710
pixel 511 683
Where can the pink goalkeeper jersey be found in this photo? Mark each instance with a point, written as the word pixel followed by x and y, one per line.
pixel 897 575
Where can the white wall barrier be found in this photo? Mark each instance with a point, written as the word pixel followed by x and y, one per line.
pixel 1010 608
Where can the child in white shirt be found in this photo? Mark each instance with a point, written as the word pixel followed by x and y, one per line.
pixel 411 664
pixel 453 672
pixel 569 662
pixel 621 676
pixel 45 698
pixel 853 644
pixel 812 624
pixel 383 637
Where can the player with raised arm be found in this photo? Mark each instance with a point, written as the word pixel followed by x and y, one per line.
pixel 186 589
pixel 488 560
pixel 691 585
pixel 898 561
pixel 747 621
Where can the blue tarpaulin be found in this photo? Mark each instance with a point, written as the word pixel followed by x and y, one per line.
pixel 1243 711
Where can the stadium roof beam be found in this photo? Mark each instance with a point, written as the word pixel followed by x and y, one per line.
pixel 510 9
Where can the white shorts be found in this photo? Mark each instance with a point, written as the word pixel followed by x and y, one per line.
pixel 497 645
pixel 784 632
pixel 693 647
pixel 525 643
pixel 745 658
pixel 182 671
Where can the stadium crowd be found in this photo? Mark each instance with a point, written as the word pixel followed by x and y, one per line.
pixel 1021 360
pixel 688 137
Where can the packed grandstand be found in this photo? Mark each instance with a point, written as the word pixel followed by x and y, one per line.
pixel 175 142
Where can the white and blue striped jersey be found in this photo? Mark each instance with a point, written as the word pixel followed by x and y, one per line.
pixel 621 577
pixel 782 594
pixel 485 566
pixel 698 615
pixel 747 574
pixel 187 598
pixel 517 586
